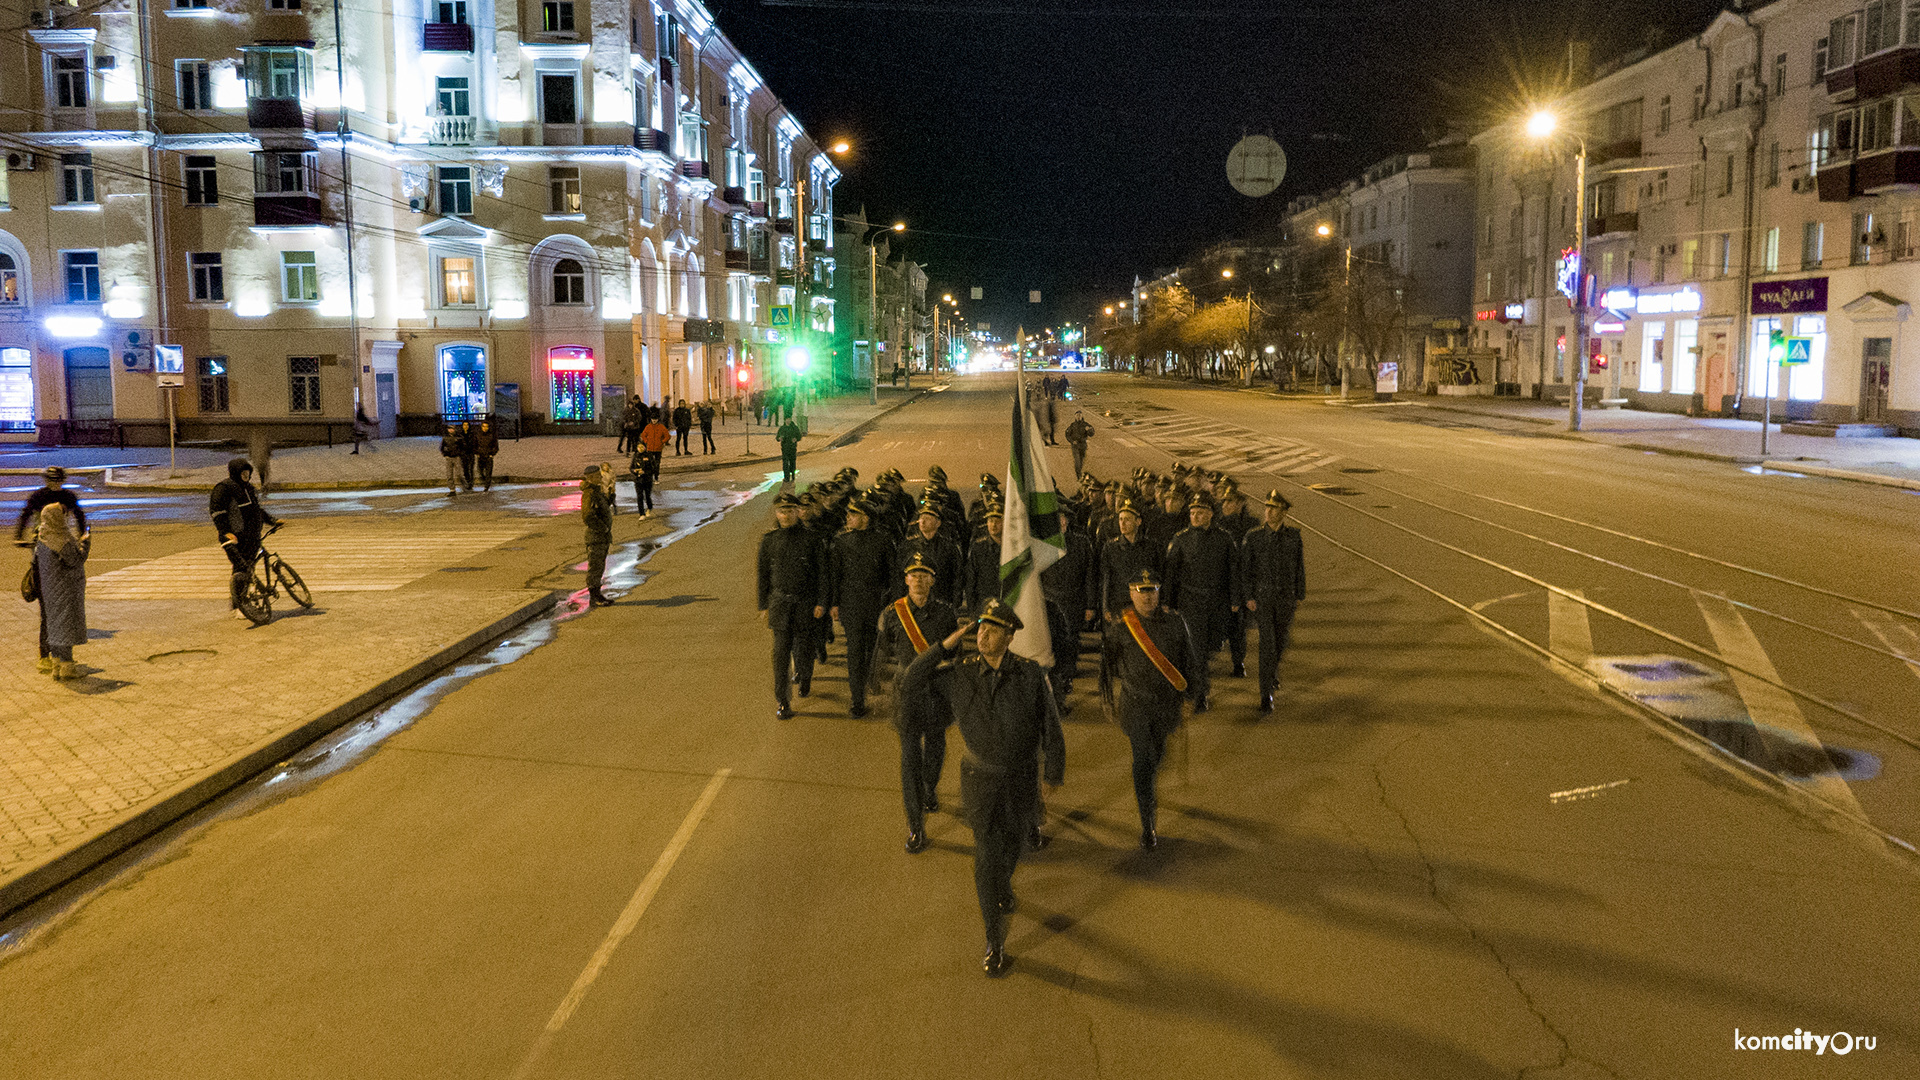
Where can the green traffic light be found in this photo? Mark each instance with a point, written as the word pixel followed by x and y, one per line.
pixel 1776 347
pixel 798 360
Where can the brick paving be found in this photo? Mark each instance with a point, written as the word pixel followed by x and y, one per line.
pixel 178 686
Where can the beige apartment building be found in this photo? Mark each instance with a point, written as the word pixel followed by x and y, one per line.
pixel 1763 175
pixel 427 209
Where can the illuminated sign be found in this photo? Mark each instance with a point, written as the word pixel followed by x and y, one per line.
pixel 1485 316
pixel 1609 326
pixel 1566 272
pixel 1516 312
pixel 570 358
pixel 169 360
pixel 1617 300
pixel 1664 303
pixel 1789 297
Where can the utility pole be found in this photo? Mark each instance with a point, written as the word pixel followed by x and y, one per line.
pixel 873 314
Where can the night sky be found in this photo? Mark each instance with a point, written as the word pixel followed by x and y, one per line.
pixel 1066 145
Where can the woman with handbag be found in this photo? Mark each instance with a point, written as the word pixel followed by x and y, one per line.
pixel 58 576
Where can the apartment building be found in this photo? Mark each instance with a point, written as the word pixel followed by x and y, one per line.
pixel 882 305
pixel 1761 176
pixel 427 209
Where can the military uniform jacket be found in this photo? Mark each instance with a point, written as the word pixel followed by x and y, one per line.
pixel 1073 581
pixel 1149 704
pixel 1237 525
pixel 596 509
pixel 1079 432
pixel 793 577
pixel 1007 718
pixel 893 653
pixel 1273 567
pixel 1161 527
pixel 983 573
pixel 1202 569
pixel 941 554
pixel 1121 561
pixel 860 574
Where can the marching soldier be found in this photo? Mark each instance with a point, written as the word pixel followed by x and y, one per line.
pixel 793 593
pixel 1203 584
pixel 1166 522
pixel 860 575
pixel 983 561
pixel 1122 559
pixel 1274 570
pixel 1072 589
pixel 1078 433
pixel 907 628
pixel 1151 654
pixel 930 543
pixel 946 502
pixel 977 512
pixel 1007 720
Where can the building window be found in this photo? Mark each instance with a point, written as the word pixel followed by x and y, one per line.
pixel 213 384
pixel 189 5
pixel 1689 259
pixel 70 81
pixel 556 16
pixel 451 11
pixel 556 100
pixel 1773 165
pixel 1819 61
pixel 1903 238
pixel 1840 41
pixel 195 81
pixel 563 186
pixel 463 382
pixel 1780 75
pixel 1653 357
pixel 76 178
pixel 456 190
pixel 299 277
pixel 1666 113
pixel 1726 177
pixel 203 189
pixel 83 276
pixel 1813 238
pixel 451 95
pixel 303 384
pixel 283 5
pixel 569 282
pixel 667 38
pixel 1881 27
pixel 1771 251
pixel 206 281
pixel 9 280
pixel 286 172
pixel 458 285
pixel 284 74
pixel 1723 247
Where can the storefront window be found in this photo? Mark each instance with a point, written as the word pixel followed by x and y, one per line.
pixel 463 382
pixel 1686 337
pixel 1653 358
pixel 1805 382
pixel 16 390
pixel 571 368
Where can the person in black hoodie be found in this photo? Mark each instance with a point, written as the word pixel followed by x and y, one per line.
pixel 241 519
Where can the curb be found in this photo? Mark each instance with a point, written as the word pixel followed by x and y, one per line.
pixel 138 823
pixel 1909 483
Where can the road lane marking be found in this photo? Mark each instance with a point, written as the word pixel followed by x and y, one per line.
pixel 624 925
pixel 1569 627
pixel 1771 708
pixel 1895 635
pixel 1588 792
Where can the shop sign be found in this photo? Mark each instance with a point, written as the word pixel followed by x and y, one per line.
pixel 1667 303
pixel 1790 297
pixel 1515 312
pixel 1566 272
pixel 1488 315
pixel 1609 326
pixel 1618 300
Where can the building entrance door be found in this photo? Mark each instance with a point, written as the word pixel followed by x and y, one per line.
pixel 1714 381
pixel 386 403
pixel 1876 374
pixel 89 384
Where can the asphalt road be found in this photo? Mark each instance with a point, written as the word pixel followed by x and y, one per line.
pixel 601 856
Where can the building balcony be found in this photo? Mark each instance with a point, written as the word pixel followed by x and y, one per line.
pixel 1872 174
pixel 277 113
pixel 294 211
pixel 757 209
pixel 694 169
pixel 453 130
pixel 783 226
pixel 652 139
pixel 1874 76
pixel 737 259
pixel 760 264
pixel 784 276
pixel 818 244
pixel 734 196
pixel 1619 223
pixel 446 37
pixel 1600 153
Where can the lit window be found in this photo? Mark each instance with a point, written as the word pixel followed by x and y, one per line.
pixel 9 280
pixel 83 276
pixel 213 383
pixel 456 189
pixel 299 277
pixel 569 282
pixel 203 188
pixel 563 182
pixel 286 172
pixel 303 378
pixel 207 281
pixel 452 96
pixel 279 73
pixel 458 287
pixel 70 82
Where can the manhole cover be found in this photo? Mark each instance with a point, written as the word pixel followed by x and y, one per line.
pixel 181 656
pixel 1333 489
pixel 1359 470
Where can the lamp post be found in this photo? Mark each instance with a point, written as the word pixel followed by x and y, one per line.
pixel 1541 126
pixel 873 313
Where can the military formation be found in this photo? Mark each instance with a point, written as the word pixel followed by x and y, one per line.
pixel 1161 571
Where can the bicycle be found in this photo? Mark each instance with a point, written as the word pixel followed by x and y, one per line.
pixel 265 578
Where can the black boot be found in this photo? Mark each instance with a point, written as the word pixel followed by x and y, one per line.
pixel 1266 703
pixel 996 962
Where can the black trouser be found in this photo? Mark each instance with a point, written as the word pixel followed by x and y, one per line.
pixel 1149 749
pixel 643 490
pixel 706 441
pixel 861 635
pixel 629 440
pixel 486 471
pixel 680 442
pixel 240 554
pixel 998 839
pixel 792 652
pixel 1065 639
pixel 1275 623
pixel 1211 621
pixel 1079 459
pixel 789 461
pixel 923 753
pixel 596 564
pixel 466 470
pixel 1237 636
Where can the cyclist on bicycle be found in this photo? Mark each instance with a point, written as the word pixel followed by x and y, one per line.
pixel 241 518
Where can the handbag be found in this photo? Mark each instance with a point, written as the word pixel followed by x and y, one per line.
pixel 30 584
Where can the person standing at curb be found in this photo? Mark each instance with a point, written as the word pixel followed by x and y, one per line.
pixel 241 519
pixel 1273 564
pixel 793 593
pixel 1007 720
pixel 789 438
pixel 450 455
pixel 682 424
pixel 1150 653
pixel 706 428
pixel 908 628
pixel 58 610
pixel 596 510
pixel 466 456
pixel 1078 433
pixel 486 443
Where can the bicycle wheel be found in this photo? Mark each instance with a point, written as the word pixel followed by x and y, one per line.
pixel 256 600
pixel 290 581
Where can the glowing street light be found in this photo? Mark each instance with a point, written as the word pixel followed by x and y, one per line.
pixel 1541 126
pixel 1323 230
pixel 840 147
pixel 1227 273
pixel 798 359
pixel 1109 309
pixel 899 226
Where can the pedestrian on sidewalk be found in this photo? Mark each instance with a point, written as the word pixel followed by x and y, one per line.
pixel 241 518
pixel 682 424
pixel 793 592
pixel 1078 433
pixel 630 425
pixel 907 628
pixel 596 510
pixel 706 428
pixel 1274 566
pixel 66 605
pixel 466 455
pixel 1007 720
pixel 789 438
pixel 363 429
pixel 1151 654
pixel 655 436
pixel 486 443
pixel 450 453
pixel 1049 420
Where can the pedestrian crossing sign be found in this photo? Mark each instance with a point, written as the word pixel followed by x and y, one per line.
pixel 1799 351
pixel 782 315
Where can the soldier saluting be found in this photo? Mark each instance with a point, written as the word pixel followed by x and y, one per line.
pixel 860 576
pixel 909 627
pixel 1007 718
pixel 1152 654
pixel 793 593
pixel 1274 570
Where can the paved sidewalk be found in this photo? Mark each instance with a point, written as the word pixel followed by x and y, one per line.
pixel 416 462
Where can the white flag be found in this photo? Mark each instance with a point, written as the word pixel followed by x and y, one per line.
pixel 1030 539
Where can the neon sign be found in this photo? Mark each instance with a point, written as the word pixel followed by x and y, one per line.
pixel 1566 272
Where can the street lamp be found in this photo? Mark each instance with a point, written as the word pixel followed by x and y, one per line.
pixel 1227 273
pixel 840 147
pixel 1540 127
pixel 1323 230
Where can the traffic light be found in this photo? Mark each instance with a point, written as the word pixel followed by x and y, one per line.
pixel 798 360
pixel 1777 347
pixel 743 375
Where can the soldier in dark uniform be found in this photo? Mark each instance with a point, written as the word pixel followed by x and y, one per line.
pixel 1072 589
pixel 793 593
pixel 1122 559
pixel 946 502
pixel 983 561
pixel 788 436
pixel 860 577
pixel 1274 572
pixel 1152 685
pixel 930 543
pixel 908 627
pixel 1166 520
pixel 1203 583
pixel 1007 719
pixel 1234 519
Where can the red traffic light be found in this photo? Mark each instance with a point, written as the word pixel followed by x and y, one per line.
pixel 743 376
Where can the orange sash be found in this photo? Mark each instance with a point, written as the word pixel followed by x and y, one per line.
pixel 905 611
pixel 1140 638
